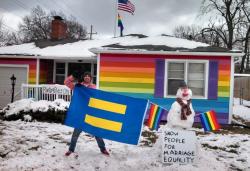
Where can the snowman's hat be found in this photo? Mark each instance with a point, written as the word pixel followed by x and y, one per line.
pixel 182 84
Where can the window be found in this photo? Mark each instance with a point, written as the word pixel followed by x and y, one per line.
pixel 192 72
pixel 60 73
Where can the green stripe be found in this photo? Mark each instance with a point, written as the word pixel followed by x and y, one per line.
pixel 224 88
pixel 156 113
pixel 127 85
pixel 210 126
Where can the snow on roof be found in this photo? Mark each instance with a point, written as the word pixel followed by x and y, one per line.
pixel 81 48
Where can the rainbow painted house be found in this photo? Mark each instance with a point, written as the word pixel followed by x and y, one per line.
pixel 134 65
pixel 155 71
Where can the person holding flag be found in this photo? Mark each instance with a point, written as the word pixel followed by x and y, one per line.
pixel 87 82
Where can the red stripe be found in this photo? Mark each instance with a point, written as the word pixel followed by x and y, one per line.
pixel 127 64
pixel 227 58
pixel 214 118
pixel 150 114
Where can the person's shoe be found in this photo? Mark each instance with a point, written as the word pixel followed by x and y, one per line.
pixel 68 153
pixel 105 152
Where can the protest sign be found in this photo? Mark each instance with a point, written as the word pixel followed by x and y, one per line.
pixel 179 146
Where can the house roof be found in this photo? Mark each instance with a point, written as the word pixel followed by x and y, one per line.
pixel 81 49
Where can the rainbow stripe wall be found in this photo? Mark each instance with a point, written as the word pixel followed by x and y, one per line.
pixel 142 75
pixel 124 75
pixel 18 61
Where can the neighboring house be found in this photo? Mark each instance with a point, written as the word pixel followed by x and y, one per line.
pixel 135 65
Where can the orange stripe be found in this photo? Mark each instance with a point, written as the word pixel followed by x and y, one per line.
pixel 151 114
pixel 127 64
pixel 127 69
pixel 129 74
pixel 224 73
pixel 213 116
pixel 223 78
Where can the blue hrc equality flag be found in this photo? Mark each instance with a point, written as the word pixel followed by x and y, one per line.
pixel 107 115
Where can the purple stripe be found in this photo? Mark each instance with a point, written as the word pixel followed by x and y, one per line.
pixel 159 78
pixel 213 80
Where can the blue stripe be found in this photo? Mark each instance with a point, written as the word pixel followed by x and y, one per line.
pixel 204 122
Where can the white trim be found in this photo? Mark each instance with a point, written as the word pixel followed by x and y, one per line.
pixel 231 92
pixel 186 61
pixel 97 71
pixel 242 75
pixel 95 50
pixel 37 71
pixel 18 66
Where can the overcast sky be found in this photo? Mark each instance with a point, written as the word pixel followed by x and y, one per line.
pixel 152 17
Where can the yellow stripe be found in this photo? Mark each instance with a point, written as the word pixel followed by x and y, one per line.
pixel 223 83
pixel 108 106
pixel 128 90
pixel 103 123
pixel 153 117
pixel 127 80
pixel 210 120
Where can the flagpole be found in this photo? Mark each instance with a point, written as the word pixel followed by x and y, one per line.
pixel 116 14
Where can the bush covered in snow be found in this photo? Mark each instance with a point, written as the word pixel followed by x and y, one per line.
pixel 29 109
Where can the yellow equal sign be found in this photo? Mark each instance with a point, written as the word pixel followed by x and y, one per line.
pixel 103 123
pixel 107 106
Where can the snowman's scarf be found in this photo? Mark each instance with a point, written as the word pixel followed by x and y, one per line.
pixel 185 108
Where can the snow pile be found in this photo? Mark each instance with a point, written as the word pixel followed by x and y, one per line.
pixel 81 48
pixel 241 111
pixel 30 105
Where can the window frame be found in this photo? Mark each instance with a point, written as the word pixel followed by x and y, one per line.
pixel 186 62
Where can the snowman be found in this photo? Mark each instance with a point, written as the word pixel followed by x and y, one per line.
pixel 181 115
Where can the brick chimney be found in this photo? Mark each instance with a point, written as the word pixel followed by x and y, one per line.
pixel 59 28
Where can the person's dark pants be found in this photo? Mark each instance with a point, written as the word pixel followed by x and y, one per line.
pixel 75 137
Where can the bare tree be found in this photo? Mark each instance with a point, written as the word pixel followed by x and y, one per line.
pixel 37 26
pixel 75 30
pixel 228 14
pixel 188 32
pixel 246 25
pixel 1 33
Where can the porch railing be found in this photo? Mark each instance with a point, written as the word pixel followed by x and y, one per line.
pixel 49 92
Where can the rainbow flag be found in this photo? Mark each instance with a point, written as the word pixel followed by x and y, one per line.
pixel 209 121
pixel 120 25
pixel 155 114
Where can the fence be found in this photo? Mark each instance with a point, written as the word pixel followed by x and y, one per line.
pixel 45 92
pixel 242 87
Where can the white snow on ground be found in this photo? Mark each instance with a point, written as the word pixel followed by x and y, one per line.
pixel 242 111
pixel 41 146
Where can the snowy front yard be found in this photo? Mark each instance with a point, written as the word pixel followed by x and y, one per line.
pixel 41 146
